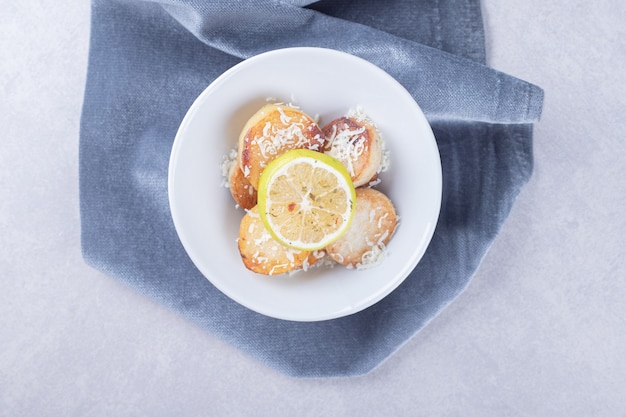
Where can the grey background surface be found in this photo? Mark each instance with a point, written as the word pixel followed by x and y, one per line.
pixel 540 331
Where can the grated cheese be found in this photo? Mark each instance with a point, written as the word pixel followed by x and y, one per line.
pixel 275 139
pixel 226 165
pixel 253 214
pixel 284 119
pixel 346 145
pixel 380 220
pixel 360 116
pixel 372 257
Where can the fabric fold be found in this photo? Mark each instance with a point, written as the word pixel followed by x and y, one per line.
pixel 146 67
pixel 461 90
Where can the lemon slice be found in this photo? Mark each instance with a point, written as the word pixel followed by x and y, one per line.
pixel 306 199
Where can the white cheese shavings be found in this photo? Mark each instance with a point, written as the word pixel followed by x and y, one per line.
pixel 378 250
pixel 372 215
pixel 374 183
pixel 323 261
pixel 359 115
pixel 226 165
pixel 386 155
pixel 293 103
pixel 346 145
pixel 372 257
pixel 277 267
pixel 252 214
pixel 284 119
pixel 380 220
pixel 275 139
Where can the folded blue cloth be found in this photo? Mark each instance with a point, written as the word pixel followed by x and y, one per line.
pixel 148 61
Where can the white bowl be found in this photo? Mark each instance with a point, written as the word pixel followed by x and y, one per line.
pixel 321 82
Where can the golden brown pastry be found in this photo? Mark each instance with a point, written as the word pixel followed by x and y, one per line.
pixel 261 253
pixel 242 191
pixel 372 226
pixel 272 131
pixel 355 142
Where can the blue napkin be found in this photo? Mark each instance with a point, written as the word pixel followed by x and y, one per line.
pixel 148 61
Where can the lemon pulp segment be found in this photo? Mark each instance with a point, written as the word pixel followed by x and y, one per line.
pixel 306 199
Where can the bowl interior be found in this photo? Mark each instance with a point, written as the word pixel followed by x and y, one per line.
pixel 327 84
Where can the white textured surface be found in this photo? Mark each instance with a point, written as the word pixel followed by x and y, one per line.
pixel 540 331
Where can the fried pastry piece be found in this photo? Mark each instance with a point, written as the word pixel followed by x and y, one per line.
pixel 373 224
pixel 262 254
pixel 242 191
pixel 355 142
pixel 313 258
pixel 272 131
